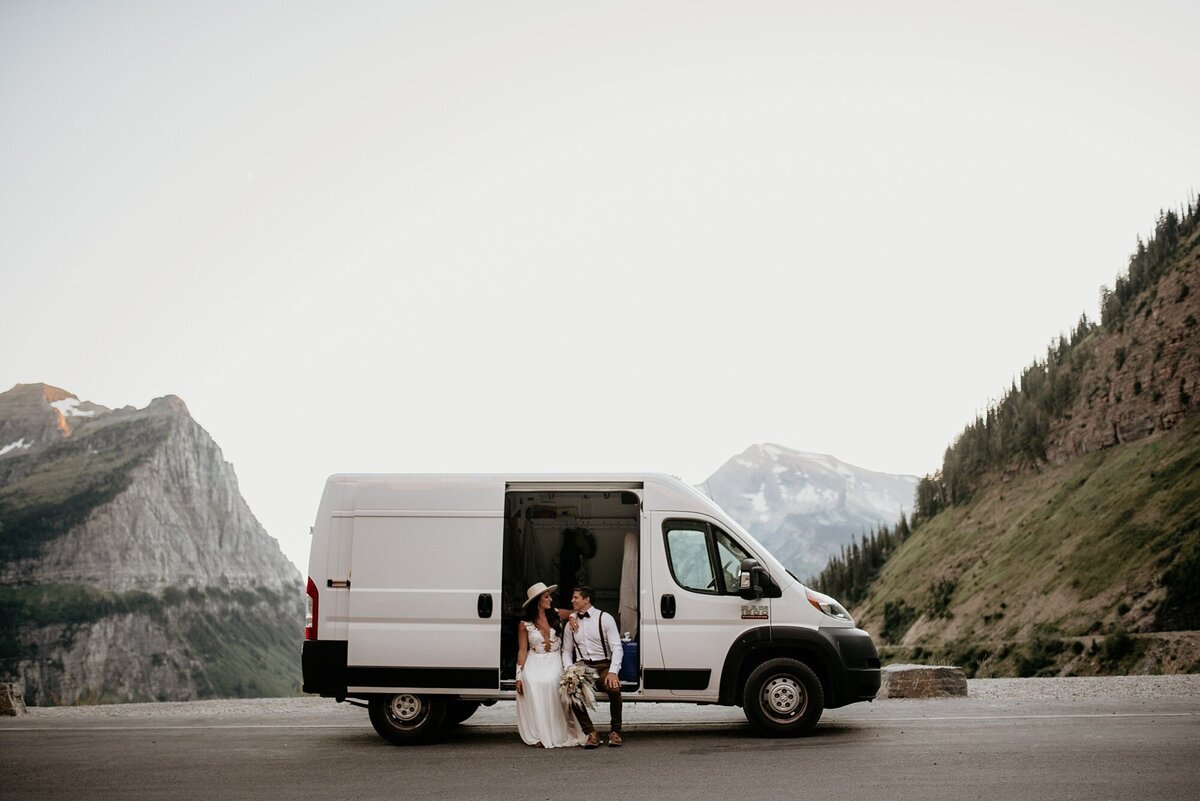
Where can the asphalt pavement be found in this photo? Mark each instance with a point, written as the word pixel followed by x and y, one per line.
pixel 1132 741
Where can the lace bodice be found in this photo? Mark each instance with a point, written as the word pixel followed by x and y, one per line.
pixel 537 643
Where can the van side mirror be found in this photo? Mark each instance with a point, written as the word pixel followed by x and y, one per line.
pixel 751 584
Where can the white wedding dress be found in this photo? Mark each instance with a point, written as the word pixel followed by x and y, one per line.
pixel 542 716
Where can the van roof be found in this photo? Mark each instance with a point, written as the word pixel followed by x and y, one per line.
pixel 485 491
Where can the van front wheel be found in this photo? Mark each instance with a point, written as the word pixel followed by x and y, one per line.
pixel 406 719
pixel 783 698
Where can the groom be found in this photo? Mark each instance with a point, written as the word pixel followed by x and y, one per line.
pixel 597 644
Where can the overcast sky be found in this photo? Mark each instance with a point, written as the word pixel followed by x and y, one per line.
pixel 465 237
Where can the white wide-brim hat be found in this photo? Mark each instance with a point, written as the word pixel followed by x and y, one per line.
pixel 536 592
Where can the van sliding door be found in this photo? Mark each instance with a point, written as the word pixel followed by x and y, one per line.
pixel 425 601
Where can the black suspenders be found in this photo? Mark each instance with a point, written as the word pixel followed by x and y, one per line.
pixel 603 640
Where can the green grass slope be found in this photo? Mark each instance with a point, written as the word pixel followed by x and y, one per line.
pixel 1076 569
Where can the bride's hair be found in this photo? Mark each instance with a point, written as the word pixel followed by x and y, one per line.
pixel 552 618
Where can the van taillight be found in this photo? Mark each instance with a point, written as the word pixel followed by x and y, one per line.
pixel 310 624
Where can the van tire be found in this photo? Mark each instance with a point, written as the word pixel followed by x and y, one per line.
pixel 460 711
pixel 783 698
pixel 405 718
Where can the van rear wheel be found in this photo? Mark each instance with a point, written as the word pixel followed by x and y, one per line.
pixel 406 719
pixel 783 698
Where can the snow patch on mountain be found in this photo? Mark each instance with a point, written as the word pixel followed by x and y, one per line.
pixel 12 446
pixel 69 407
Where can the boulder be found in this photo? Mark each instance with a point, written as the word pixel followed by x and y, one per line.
pixel 11 702
pixel 921 681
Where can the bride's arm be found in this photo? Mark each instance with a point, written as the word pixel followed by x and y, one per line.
pixel 522 653
pixel 569 615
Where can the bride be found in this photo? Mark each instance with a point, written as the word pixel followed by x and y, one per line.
pixel 543 719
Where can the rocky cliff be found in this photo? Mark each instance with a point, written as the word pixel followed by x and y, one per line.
pixel 1143 377
pixel 130 566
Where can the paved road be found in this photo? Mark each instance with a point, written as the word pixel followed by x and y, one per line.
pixel 1113 746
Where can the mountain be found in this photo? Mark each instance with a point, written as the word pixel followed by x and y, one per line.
pixel 1062 534
pixel 804 507
pixel 130 566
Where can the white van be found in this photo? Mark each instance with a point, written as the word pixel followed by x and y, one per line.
pixel 416 584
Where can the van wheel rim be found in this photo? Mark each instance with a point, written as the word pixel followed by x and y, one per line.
pixel 783 698
pixel 405 709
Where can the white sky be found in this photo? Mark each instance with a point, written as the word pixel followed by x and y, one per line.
pixel 559 237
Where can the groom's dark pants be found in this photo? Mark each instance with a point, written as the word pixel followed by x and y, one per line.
pixel 614 700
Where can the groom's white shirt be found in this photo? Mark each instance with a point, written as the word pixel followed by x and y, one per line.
pixel 588 640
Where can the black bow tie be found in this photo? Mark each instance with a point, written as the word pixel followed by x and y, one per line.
pixel 582 615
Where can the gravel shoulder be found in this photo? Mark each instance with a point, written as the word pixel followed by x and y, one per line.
pixel 1185 685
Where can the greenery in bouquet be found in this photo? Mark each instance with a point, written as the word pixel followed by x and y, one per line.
pixel 576 685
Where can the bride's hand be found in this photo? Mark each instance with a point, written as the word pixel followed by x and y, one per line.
pixel 520 687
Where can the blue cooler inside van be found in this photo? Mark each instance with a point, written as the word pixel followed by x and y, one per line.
pixel 629 662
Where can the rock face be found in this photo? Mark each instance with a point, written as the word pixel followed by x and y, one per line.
pixel 130 566
pixel 803 506
pixel 1143 378
pixel 921 681
pixel 11 702
pixel 178 520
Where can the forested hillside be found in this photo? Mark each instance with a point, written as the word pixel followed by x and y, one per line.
pixel 1062 534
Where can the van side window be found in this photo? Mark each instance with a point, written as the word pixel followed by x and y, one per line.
pixel 729 556
pixel 703 558
pixel 689 557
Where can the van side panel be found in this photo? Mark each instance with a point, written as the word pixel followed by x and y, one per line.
pixel 415 597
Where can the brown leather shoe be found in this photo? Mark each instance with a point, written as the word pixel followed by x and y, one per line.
pixel 593 741
pixel 614 739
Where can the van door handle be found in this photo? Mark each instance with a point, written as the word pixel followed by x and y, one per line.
pixel 485 604
pixel 667 607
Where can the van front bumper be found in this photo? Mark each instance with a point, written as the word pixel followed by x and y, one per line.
pixel 860 661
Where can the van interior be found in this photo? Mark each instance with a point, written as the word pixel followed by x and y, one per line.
pixel 572 538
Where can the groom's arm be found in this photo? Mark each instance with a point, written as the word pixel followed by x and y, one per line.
pixel 614 644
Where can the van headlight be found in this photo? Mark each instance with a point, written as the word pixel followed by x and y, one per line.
pixel 827 605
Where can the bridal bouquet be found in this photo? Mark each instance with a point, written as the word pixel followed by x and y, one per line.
pixel 576 685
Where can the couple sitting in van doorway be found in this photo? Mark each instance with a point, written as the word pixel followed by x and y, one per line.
pixel 545 649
